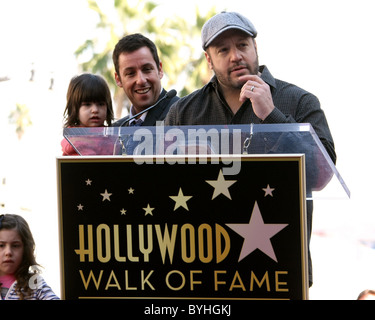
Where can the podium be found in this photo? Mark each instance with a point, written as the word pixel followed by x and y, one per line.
pixel 214 214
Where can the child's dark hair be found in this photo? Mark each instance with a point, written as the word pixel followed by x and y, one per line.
pixel 86 87
pixel 16 222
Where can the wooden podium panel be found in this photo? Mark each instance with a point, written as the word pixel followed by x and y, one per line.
pixel 185 231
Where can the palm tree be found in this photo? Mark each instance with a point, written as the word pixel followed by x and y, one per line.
pixel 173 37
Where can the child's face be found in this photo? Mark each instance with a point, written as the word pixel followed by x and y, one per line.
pixel 11 251
pixel 92 114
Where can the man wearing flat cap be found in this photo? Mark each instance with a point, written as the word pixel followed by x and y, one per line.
pixel 242 92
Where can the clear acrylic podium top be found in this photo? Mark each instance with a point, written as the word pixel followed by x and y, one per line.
pixel 322 178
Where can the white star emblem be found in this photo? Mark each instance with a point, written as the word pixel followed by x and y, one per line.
pixel 131 190
pixel 221 186
pixel 80 207
pixel 257 234
pixel 88 182
pixel 268 191
pixel 148 210
pixel 106 195
pixel 123 211
pixel 180 200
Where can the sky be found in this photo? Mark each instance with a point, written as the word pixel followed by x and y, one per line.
pixel 322 46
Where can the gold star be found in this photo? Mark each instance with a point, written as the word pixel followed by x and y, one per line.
pixel 221 186
pixel 123 211
pixel 131 190
pixel 106 195
pixel 148 210
pixel 180 200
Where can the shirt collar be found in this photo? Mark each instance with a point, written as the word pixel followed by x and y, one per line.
pixel 131 114
pixel 267 76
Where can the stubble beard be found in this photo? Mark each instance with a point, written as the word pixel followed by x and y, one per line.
pixel 231 82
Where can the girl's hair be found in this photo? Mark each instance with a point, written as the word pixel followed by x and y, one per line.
pixel 16 222
pixel 86 87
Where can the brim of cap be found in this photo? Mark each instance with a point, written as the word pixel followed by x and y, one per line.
pixel 226 29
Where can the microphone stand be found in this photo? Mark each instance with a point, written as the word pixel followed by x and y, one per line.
pixel 170 94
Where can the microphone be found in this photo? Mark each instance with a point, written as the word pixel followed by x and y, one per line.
pixel 170 94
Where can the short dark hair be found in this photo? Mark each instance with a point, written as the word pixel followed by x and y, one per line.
pixel 131 43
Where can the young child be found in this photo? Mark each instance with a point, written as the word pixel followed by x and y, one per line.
pixel 16 258
pixel 89 104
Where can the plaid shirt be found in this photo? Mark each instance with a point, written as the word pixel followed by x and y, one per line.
pixel 207 106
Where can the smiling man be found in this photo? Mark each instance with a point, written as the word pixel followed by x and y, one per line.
pixel 242 92
pixel 139 71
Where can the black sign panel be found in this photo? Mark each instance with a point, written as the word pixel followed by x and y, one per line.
pixel 187 230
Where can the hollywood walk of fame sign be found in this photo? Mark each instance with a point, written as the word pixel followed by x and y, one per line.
pixel 184 230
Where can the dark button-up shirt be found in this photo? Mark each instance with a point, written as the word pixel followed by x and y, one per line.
pixel 207 106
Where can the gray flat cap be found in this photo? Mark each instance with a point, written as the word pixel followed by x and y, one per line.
pixel 222 22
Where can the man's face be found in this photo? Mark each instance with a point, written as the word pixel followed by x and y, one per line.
pixel 231 55
pixel 140 77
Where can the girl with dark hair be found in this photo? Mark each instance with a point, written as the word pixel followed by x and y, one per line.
pixel 17 259
pixel 89 104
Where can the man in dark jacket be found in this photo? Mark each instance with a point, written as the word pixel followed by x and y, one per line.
pixel 242 92
pixel 139 71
